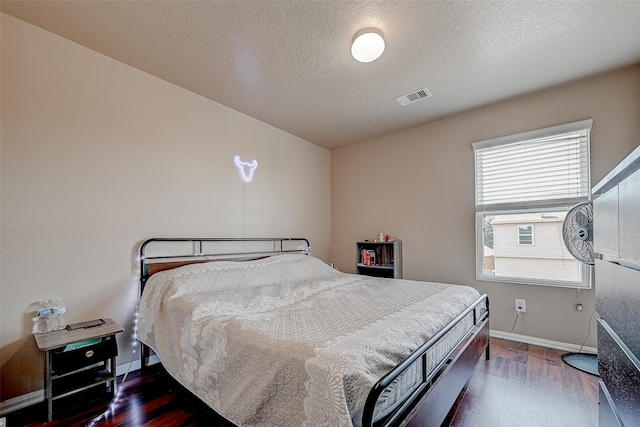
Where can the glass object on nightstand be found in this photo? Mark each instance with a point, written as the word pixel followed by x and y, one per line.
pixel 42 322
pixel 59 320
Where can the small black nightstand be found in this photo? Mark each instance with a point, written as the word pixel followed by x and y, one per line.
pixel 76 360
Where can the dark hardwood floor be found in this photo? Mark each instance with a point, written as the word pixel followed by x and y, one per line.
pixel 522 385
pixel 526 385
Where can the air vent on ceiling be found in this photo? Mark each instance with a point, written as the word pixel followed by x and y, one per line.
pixel 414 96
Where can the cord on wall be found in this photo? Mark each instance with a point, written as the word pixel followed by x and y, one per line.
pixel 514 325
pixel 244 211
pixel 588 330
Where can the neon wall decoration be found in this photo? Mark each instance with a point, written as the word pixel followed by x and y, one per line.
pixel 245 169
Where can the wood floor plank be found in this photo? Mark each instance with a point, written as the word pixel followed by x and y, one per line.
pixel 558 414
pixel 500 367
pixel 550 355
pixel 482 402
pixel 170 419
pixel 523 406
pixel 537 388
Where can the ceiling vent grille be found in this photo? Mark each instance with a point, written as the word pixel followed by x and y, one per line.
pixel 414 96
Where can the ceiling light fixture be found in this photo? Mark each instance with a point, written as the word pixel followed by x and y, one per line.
pixel 368 45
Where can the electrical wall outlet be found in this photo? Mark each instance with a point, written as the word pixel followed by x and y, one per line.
pixel 520 306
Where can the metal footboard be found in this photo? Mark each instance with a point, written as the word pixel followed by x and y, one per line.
pixel 402 412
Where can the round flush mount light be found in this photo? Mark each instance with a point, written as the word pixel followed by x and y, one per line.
pixel 368 45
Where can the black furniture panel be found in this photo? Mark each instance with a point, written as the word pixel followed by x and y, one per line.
pixel 608 417
pixel 620 371
pixel 63 362
pixel 617 272
pixel 618 301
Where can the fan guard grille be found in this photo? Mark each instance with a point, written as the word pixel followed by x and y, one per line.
pixel 577 232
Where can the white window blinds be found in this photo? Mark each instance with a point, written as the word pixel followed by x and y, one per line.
pixel 546 167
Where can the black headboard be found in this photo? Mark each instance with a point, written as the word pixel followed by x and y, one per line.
pixel 159 254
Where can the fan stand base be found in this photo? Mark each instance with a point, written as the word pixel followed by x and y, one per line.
pixel 585 362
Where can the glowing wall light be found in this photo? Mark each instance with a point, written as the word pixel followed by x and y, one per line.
pixel 246 169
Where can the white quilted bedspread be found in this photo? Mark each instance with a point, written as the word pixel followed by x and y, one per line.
pixel 288 340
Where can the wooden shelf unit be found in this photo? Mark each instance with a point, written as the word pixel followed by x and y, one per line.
pixel 387 262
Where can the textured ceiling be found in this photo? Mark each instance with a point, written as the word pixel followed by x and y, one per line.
pixel 288 63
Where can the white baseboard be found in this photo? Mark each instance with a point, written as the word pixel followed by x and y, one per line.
pixel 573 348
pixel 135 365
pixel 37 396
pixel 22 401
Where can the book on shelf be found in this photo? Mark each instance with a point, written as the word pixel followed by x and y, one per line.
pixel 368 257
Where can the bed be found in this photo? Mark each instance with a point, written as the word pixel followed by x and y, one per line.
pixel 266 334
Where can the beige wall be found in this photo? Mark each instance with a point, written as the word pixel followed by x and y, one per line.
pixel 98 156
pixel 418 185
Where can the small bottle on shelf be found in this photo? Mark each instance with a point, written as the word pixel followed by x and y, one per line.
pixel 43 320
pixel 59 319
pixel 53 326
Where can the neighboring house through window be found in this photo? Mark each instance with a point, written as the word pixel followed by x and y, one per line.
pixel 525 184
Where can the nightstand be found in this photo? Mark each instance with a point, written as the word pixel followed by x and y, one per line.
pixel 79 359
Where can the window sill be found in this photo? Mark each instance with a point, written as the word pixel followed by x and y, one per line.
pixel 522 281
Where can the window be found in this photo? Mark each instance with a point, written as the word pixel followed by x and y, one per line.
pixel 526 183
pixel 525 234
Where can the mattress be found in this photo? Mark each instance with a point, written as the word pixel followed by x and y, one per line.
pixel 288 340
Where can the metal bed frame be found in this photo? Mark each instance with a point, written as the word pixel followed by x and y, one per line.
pixel 277 248
pixel 432 400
